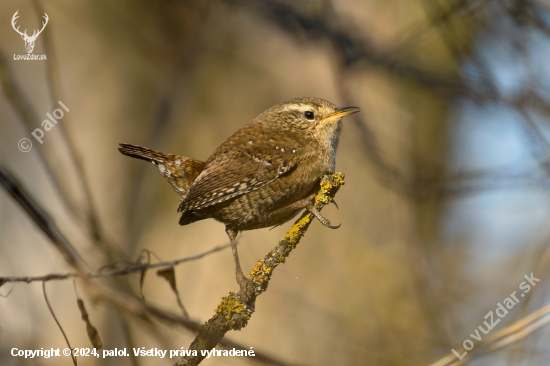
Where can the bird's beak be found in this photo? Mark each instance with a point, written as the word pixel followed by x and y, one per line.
pixel 342 112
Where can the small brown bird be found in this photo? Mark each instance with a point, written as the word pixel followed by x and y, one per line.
pixel 262 175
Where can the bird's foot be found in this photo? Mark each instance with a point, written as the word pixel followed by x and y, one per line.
pixel 309 204
pixel 320 217
pixel 244 284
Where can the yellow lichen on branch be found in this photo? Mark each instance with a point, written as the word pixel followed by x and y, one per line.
pixel 264 268
pixel 236 309
pixel 231 305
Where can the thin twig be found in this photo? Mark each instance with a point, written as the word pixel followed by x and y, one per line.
pixel 40 218
pixel 54 84
pixel 57 322
pixel 115 272
pixel 22 106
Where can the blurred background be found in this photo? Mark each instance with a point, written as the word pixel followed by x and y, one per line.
pixel 444 210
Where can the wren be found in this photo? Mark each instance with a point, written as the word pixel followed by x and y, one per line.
pixel 262 175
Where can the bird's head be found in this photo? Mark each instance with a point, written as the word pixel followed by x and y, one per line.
pixel 313 116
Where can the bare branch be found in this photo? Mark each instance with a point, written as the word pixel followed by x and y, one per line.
pixel 40 218
pixel 110 273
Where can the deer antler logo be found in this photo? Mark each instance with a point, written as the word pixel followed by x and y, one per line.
pixel 29 41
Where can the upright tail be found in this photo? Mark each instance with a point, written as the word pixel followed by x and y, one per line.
pixel 180 171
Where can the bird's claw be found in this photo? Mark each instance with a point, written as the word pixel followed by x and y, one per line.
pixel 321 219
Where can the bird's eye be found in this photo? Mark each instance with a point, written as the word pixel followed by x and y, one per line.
pixel 309 115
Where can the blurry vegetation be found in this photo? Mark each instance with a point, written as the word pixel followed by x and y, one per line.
pixel 444 210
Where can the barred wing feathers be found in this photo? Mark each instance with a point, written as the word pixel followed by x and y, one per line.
pixel 234 173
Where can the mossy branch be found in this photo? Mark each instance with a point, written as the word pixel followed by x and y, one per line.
pixel 235 310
